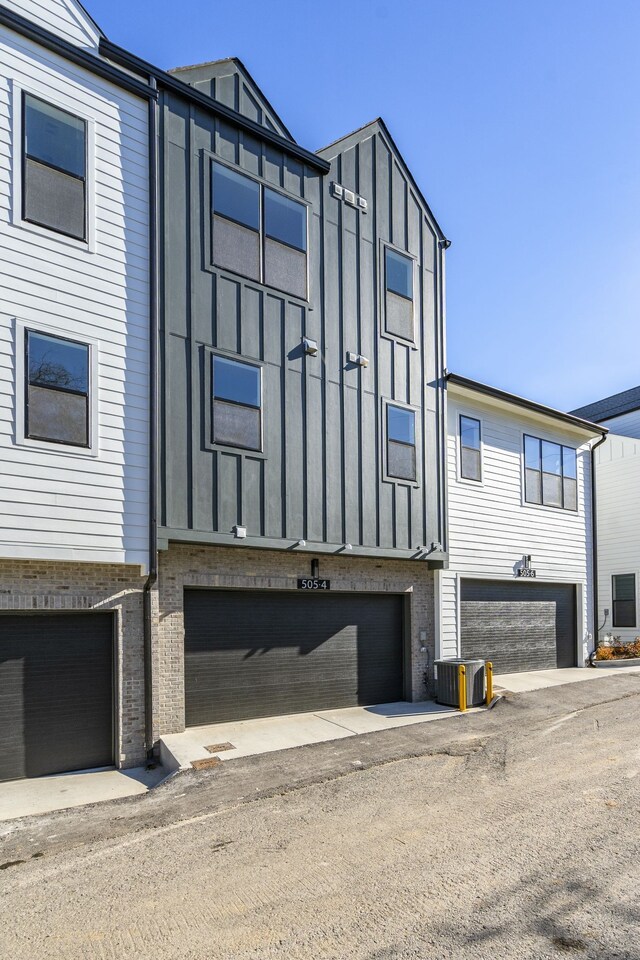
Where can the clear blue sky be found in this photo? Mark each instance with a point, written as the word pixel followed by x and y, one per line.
pixel 521 123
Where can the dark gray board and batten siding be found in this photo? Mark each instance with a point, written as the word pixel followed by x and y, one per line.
pixel 229 82
pixel 320 476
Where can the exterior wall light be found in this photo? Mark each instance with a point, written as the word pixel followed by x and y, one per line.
pixel 310 347
pixel 358 359
pixel 239 533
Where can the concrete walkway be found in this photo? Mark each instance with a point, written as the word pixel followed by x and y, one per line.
pixel 539 680
pixel 23 798
pixel 226 741
pixel 244 738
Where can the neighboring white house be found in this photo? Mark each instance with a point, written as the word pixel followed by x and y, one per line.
pixel 518 590
pixel 74 394
pixel 617 484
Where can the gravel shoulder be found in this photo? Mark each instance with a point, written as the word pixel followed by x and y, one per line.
pixel 510 833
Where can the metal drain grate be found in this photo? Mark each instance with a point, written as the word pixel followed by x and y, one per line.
pixel 206 764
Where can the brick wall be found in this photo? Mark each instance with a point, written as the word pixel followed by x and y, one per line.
pixel 236 567
pixel 36 585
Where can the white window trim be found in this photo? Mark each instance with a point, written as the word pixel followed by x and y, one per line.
pixel 458 435
pixel 527 504
pixel 21 438
pixel 56 100
pixel 636 584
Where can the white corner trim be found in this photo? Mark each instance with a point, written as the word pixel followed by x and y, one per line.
pixel 584 637
pixel 21 439
pixel 437 587
pixel 457 588
pixel 90 244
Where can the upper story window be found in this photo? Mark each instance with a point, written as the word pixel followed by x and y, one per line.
pixel 258 232
pixel 54 164
pixel 470 452
pixel 237 404
pixel 550 474
pixel 399 294
pixel 57 390
pixel 401 443
pixel 624 600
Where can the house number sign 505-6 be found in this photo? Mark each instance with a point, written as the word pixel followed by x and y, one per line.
pixel 527 572
pixel 314 583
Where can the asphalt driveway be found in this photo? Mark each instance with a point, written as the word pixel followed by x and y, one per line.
pixel 512 833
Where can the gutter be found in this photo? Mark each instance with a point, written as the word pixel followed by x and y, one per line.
pixel 128 60
pixel 74 54
pixel 154 260
pixel 594 539
pixel 497 394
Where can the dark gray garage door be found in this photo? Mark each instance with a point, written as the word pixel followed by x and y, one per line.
pixel 56 694
pixel 519 626
pixel 258 654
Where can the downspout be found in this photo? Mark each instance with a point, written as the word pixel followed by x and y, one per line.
pixel 153 419
pixel 594 541
pixel 442 380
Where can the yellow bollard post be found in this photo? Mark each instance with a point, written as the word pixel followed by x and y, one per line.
pixel 462 688
pixel 489 672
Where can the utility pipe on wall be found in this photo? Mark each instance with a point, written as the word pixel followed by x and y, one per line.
pixel 154 255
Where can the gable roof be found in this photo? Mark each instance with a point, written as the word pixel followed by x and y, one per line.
pixel 369 129
pixel 249 100
pixel 172 82
pixel 539 408
pixel 68 19
pixel 614 406
pixel 86 13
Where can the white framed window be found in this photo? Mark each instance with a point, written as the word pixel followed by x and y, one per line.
pixel 470 432
pixel 623 592
pixel 53 168
pixel 56 390
pixel 550 474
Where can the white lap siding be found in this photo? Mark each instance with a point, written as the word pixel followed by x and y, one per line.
pixel 66 503
pixel 491 527
pixel 618 491
pixel 65 18
pixel 627 425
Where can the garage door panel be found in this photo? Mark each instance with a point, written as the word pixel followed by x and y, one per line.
pixel 518 626
pixel 12 756
pixel 56 694
pixel 263 654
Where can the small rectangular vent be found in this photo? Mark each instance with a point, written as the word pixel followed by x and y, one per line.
pixel 348 196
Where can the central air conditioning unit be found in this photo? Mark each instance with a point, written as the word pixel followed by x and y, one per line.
pixel 448 693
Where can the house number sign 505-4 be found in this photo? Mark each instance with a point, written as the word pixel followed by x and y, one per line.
pixel 314 583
